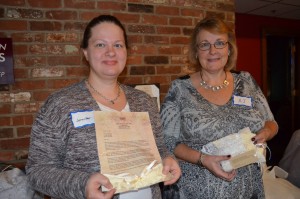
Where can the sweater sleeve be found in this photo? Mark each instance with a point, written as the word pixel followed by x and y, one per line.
pixel 45 166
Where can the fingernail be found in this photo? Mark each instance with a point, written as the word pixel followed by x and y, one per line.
pixel 252 139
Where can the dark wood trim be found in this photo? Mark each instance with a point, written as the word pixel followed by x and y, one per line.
pixel 276 32
pixel 295 76
pixel 264 64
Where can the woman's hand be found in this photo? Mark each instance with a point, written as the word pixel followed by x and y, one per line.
pixel 213 164
pixel 266 133
pixel 261 136
pixel 93 187
pixel 170 165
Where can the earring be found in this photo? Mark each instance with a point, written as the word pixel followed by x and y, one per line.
pixel 229 53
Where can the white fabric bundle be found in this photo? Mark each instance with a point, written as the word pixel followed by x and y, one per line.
pixel 239 146
pixel 151 174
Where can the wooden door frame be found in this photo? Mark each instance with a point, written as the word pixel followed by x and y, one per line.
pixel 275 32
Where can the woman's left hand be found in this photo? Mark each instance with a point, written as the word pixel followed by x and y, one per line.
pixel 261 136
pixel 170 165
pixel 266 133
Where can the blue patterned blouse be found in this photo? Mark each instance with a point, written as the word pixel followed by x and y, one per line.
pixel 189 118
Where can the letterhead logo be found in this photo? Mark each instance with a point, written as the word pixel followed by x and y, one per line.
pixel 6 61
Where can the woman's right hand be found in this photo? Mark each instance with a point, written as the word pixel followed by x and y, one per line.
pixel 213 164
pixel 93 187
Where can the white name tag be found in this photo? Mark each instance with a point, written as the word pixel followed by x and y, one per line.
pixel 243 101
pixel 82 118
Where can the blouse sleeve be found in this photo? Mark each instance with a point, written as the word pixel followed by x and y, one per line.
pixel 170 116
pixel 261 102
pixel 157 130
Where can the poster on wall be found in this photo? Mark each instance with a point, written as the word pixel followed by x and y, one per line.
pixel 6 61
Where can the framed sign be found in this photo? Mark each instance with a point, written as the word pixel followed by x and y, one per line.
pixel 6 61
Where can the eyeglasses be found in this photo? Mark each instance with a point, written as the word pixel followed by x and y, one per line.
pixel 207 46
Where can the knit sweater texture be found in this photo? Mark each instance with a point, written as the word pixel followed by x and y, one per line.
pixel 62 157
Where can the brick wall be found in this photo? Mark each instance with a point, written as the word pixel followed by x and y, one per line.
pixel 46 37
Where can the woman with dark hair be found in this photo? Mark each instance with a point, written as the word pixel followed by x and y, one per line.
pixel 208 105
pixel 63 158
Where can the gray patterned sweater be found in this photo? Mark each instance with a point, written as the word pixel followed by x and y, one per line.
pixel 62 157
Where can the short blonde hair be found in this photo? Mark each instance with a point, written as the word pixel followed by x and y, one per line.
pixel 217 26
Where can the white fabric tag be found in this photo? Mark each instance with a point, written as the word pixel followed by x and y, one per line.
pixel 82 118
pixel 244 101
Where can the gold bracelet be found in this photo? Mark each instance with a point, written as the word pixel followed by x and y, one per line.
pixel 200 160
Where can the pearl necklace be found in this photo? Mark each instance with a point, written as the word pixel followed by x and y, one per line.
pixel 214 88
pixel 112 101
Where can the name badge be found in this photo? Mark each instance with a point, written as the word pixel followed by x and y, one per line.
pixel 82 118
pixel 243 101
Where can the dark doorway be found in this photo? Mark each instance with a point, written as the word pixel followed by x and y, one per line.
pixel 280 76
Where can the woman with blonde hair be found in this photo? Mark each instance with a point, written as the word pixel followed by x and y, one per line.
pixel 208 105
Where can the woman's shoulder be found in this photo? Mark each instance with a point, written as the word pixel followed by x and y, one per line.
pixel 240 73
pixel 68 95
pixel 246 79
pixel 243 75
pixel 131 90
pixel 60 103
pixel 181 81
pixel 138 100
pixel 69 91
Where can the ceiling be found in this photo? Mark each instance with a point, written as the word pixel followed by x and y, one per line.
pixel 287 9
